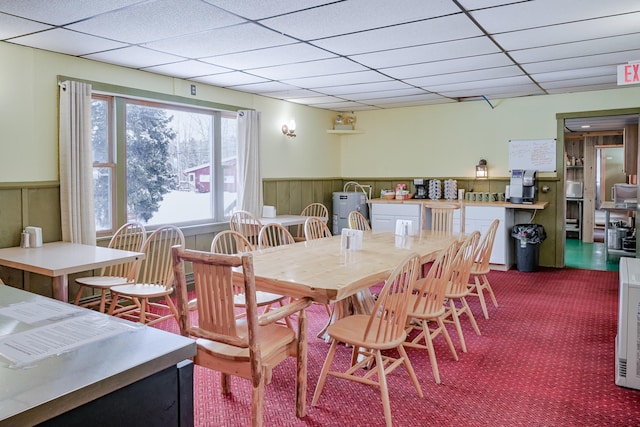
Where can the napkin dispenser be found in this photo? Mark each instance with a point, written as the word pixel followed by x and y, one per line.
pixel 268 211
pixel 35 236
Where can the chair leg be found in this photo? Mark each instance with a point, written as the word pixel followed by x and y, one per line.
pixel 431 351
pixel 143 311
pixel 324 372
pixel 225 384
pixel 410 370
pixel 456 322
pixel 467 309
pixel 487 286
pixel 384 390
pixel 76 301
pixel 447 338
pixel 257 399
pixel 480 294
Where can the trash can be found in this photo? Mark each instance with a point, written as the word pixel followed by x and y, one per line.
pixel 528 238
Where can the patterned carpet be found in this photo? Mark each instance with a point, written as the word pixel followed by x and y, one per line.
pixel 545 358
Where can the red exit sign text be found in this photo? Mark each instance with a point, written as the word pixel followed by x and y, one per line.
pixel 629 73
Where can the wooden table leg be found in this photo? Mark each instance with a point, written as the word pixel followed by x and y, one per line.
pixel 301 383
pixel 61 288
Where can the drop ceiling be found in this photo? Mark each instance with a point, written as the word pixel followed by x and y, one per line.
pixel 347 55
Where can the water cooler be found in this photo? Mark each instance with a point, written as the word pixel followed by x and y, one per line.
pixel 343 203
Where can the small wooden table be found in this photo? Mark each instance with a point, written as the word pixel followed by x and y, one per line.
pixel 285 220
pixel 59 259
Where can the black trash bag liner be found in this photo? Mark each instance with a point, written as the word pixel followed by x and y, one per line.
pixel 529 233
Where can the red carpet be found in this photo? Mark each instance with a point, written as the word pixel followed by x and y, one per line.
pixel 545 358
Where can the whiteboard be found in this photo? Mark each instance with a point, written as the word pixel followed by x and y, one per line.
pixel 532 154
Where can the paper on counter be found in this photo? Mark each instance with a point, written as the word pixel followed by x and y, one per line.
pixel 36 311
pixel 25 348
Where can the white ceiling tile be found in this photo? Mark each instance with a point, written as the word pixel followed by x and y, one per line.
pixel 575 74
pixel 480 85
pixel 580 48
pixel 291 93
pixel 571 32
pixel 156 20
pixel 540 13
pixel 356 15
pixel 10 26
pixel 598 80
pixel 582 62
pixel 264 87
pixel 507 91
pixel 449 66
pixel 466 76
pixel 418 33
pixel 428 53
pixel 68 42
pixel 60 13
pixel 363 96
pixel 135 57
pixel 279 55
pixel 239 38
pixel 338 79
pixel 410 98
pixel 265 8
pixel 187 69
pixel 414 102
pixel 308 69
pixel 235 78
pixel 315 100
pixel 483 4
pixel 366 87
pixel 571 89
pixel 345 106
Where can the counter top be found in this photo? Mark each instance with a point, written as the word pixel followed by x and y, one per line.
pixel 537 205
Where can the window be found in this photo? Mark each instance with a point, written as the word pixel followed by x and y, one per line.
pixel 178 163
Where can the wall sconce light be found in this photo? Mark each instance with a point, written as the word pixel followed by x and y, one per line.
pixel 482 171
pixel 290 129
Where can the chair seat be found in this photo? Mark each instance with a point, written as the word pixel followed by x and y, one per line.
pixel 142 290
pixel 423 314
pixel 477 269
pixel 262 298
pixel 350 329
pixel 102 281
pixel 271 339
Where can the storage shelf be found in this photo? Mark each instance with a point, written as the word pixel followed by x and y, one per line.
pixel 345 132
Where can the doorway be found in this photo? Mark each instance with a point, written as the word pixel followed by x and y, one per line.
pixel 604 165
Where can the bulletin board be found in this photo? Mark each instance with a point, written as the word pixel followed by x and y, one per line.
pixel 532 154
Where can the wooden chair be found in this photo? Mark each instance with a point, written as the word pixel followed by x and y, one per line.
pixel 153 281
pixel 231 242
pixel 314 209
pixel 426 307
pixel 272 235
pixel 129 237
pixel 246 224
pixel 441 216
pixel 316 228
pixel 457 289
pixel 357 221
pixel 480 269
pixel 248 348
pixel 369 335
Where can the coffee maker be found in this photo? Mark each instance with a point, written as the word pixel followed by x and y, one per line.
pixel 522 188
pixel 421 188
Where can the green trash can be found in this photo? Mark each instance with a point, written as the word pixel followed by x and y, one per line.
pixel 528 238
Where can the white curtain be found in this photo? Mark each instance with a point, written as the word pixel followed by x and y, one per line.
pixel 76 164
pixel 249 177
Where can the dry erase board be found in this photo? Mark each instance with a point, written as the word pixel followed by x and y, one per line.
pixel 532 154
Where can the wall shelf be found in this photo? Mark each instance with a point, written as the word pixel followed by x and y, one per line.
pixel 345 132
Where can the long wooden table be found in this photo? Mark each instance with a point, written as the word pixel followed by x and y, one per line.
pixel 322 271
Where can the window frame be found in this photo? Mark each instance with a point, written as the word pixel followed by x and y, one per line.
pixel 120 96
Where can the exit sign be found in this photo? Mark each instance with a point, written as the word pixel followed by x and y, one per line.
pixel 629 74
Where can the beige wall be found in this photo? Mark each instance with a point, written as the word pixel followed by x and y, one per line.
pixel 448 140
pixel 437 141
